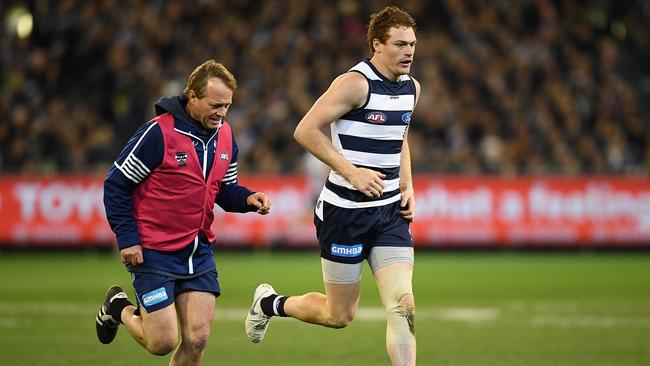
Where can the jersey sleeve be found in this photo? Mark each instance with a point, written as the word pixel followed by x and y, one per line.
pixel 142 154
pixel 232 196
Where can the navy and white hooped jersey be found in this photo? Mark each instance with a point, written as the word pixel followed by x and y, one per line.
pixel 371 137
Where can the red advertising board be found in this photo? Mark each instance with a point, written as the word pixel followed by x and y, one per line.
pixel 587 211
pixel 53 210
pixel 451 211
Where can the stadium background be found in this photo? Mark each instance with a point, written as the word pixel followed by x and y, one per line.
pixel 532 130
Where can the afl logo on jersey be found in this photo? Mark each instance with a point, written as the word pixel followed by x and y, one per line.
pixel 376 117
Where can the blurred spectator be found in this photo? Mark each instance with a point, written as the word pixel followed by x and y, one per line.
pixel 509 87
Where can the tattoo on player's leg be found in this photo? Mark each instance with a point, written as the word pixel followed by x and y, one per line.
pixel 405 310
pixel 409 316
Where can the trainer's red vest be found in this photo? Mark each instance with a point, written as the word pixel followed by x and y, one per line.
pixel 174 203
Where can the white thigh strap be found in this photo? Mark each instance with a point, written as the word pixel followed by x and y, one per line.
pixel 383 256
pixel 341 273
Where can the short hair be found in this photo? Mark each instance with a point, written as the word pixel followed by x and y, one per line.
pixel 381 23
pixel 198 79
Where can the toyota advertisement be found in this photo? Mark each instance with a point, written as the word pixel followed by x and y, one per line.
pixel 67 211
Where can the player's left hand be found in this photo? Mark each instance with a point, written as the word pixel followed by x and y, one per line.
pixel 260 201
pixel 407 204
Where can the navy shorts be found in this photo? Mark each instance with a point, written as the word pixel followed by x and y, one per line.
pixel 156 291
pixel 346 235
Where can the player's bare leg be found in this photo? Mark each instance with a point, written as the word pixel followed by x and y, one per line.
pixel 157 331
pixel 395 288
pixel 195 313
pixel 335 309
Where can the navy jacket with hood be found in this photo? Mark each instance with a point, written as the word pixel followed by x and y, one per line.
pixel 147 146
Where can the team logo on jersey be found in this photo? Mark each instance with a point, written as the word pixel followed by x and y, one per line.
pixel 406 117
pixel 181 158
pixel 223 156
pixel 376 117
pixel 346 250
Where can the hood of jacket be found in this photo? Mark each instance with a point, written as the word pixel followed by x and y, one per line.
pixel 182 120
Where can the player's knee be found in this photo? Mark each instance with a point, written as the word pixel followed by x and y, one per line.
pixel 195 343
pixel 162 346
pixel 341 320
pixel 407 302
pixel 406 307
pixel 404 311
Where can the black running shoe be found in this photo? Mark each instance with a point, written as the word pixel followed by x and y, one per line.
pixel 105 325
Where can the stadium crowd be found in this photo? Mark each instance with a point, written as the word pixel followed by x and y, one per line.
pixel 508 87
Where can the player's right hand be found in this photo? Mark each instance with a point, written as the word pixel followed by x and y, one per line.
pixel 368 181
pixel 132 255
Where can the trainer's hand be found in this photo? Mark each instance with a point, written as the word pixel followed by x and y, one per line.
pixel 367 181
pixel 260 202
pixel 407 204
pixel 132 255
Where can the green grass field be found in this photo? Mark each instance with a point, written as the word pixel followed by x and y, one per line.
pixel 472 309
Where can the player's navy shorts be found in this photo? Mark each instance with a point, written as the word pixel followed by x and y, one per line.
pixel 346 235
pixel 156 291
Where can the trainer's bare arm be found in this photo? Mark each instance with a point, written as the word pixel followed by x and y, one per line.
pixel 406 178
pixel 347 92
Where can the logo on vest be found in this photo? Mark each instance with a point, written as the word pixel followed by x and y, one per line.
pixel 376 117
pixel 181 158
pixel 223 156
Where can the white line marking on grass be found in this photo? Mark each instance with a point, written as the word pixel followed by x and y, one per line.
pixel 45 307
pixel 363 314
pixel 464 314
pixel 563 321
pixel 469 314
pixel 9 323
pixel 378 314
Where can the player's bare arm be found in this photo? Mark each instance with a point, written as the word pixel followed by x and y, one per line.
pixel 347 92
pixel 407 203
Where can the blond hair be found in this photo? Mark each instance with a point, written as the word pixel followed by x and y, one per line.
pixel 198 79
